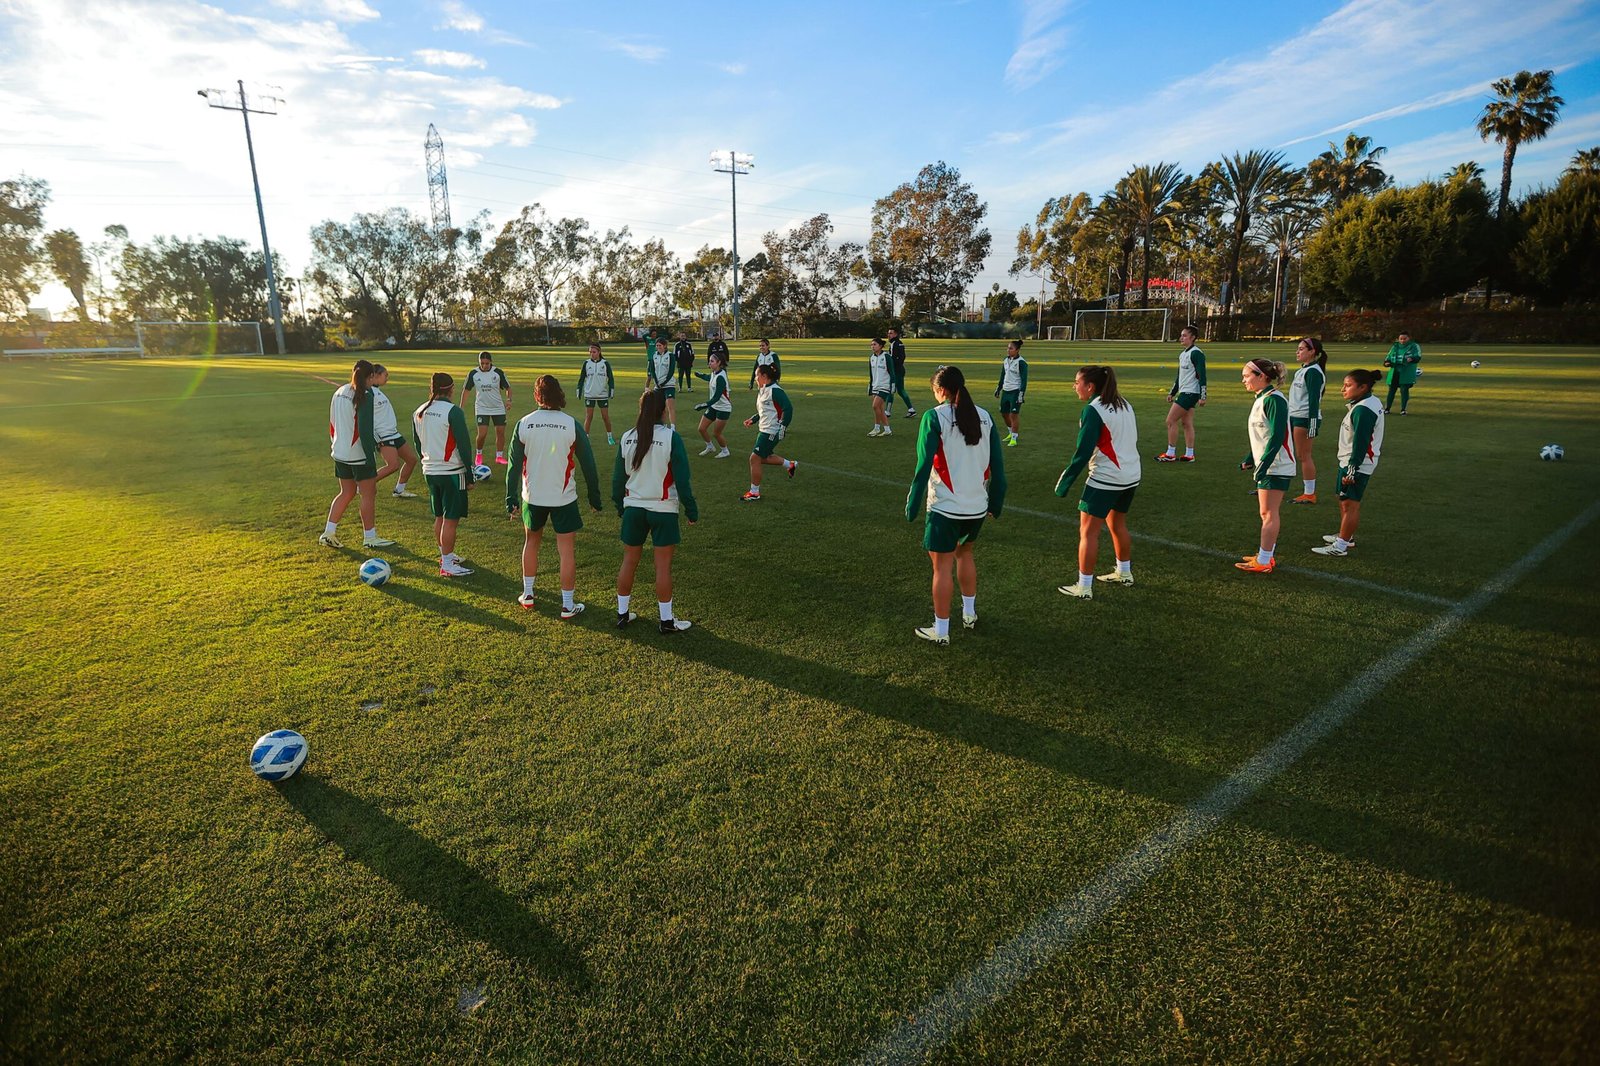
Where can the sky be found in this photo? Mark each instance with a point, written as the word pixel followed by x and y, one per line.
pixel 608 111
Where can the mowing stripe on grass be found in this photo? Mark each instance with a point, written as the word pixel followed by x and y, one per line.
pixel 937 1022
pixel 156 399
pixel 1199 549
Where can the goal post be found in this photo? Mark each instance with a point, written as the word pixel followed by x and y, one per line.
pixel 192 339
pixel 1123 324
pixel 1058 333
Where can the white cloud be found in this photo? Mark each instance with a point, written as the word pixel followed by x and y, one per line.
pixel 735 69
pixel 438 57
pixel 337 10
pixel 644 53
pixel 457 16
pixel 1041 43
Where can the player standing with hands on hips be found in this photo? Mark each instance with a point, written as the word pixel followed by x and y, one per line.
pixel 1272 454
pixel 1012 390
pixel 774 413
pixel 491 392
pixel 440 430
pixel 597 384
pixel 351 429
pixel 1360 444
pixel 1108 445
pixel 650 476
pixel 1188 392
pixel 545 447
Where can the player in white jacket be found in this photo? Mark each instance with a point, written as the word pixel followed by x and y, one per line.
pixel 354 446
pixel 650 476
pixel 880 387
pixel 547 447
pixel 1271 455
pixel 397 451
pixel 1108 447
pixel 1360 445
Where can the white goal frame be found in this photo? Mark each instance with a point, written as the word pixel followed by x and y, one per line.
pixel 254 327
pixel 1164 312
pixel 1058 333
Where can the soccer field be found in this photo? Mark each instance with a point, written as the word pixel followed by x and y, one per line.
pixel 1345 811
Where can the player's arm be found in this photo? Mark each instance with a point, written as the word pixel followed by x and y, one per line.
pixel 1363 423
pixel 1022 367
pixel 752 377
pixel 1172 393
pixel 1198 361
pixel 927 448
pixel 519 454
pixel 611 381
pixel 619 481
pixel 591 475
pixel 997 474
pixel 463 438
pixel 583 375
pixel 364 425
pixel 1089 426
pixel 1314 395
pixel 680 478
pixel 1416 353
pixel 780 400
pixel 1277 432
pixel 999 386
pixel 505 387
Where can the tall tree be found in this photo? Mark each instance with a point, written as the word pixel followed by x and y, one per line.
pixel 214 279
pixel 1526 109
pixel 1468 171
pixel 1586 161
pixel 1117 220
pixel 68 264
pixel 1248 186
pixel 22 203
pixel 1558 257
pixel 1286 232
pixel 1156 196
pixel 704 284
pixel 547 255
pixel 1346 170
pixel 391 269
pixel 1050 248
pixel 931 228
pixel 820 270
pixel 621 278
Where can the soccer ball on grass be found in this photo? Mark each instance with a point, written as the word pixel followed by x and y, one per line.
pixel 277 755
pixel 375 572
pixel 481 472
pixel 1476 364
pixel 1552 452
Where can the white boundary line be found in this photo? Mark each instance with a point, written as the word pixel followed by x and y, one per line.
pixel 1199 549
pixel 937 1022
pixel 4 408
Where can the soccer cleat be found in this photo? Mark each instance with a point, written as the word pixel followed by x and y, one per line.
pixel 911 412
pixel 1116 577
pixel 875 430
pixel 1251 566
pixel 500 459
pixel 1185 458
pixel 478 459
pixel 403 494
pixel 675 625
pixel 1329 538
pixel 931 634
pixel 611 440
pixel 751 497
pixel 1011 441
pixel 1078 592
pixel 624 617
pixel 887 432
pixel 1305 497
pixel 526 599
pixel 1165 458
pixel 569 613
pixel 723 454
pixel 454 570
pixel 328 540
pixel 793 467
pixel 377 542
pixel 969 621
pixel 1331 549
pixel 708 449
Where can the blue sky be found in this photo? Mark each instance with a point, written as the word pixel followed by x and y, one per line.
pixel 608 110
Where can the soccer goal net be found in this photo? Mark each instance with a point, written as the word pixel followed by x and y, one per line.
pixel 199 338
pixel 1058 333
pixel 1122 324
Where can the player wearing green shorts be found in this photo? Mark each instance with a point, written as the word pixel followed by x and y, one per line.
pixel 960 477
pixel 714 413
pixel 491 393
pixel 1188 392
pixel 1305 410
pixel 1360 444
pixel 765 356
pixel 439 428
pixel 1012 391
pixel 596 385
pixel 546 446
pixel 1108 447
pixel 880 388
pixel 774 413
pixel 660 367
pixel 1271 455
pixel 354 447
pixel 648 480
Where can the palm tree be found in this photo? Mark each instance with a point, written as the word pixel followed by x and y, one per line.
pixel 1286 232
pixel 1468 171
pixel 1115 218
pixel 1585 162
pixel 1527 108
pixel 1248 186
pixel 1343 171
pixel 1155 196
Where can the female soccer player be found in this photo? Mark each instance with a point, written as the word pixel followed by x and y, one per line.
pixel 1305 410
pixel 956 439
pixel 491 394
pixel 397 451
pixel 597 384
pixel 766 357
pixel 351 428
pixel 650 477
pixel 1405 366
pixel 1188 392
pixel 717 408
pixel 444 442
pixel 1012 390
pixel 880 387
pixel 1360 443
pixel 1271 452
pixel 659 369
pixel 1108 445
pixel 774 412
pixel 545 446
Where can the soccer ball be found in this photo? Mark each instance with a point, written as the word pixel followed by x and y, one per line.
pixel 1551 452
pixel 375 572
pixel 481 472
pixel 278 755
pixel 1476 364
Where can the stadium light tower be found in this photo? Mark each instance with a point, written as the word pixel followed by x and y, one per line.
pixel 225 100
pixel 727 161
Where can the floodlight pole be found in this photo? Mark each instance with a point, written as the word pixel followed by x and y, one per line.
pixel 274 306
pixel 729 162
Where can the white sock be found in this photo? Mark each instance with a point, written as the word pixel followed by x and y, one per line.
pixel 527 585
pixel 666 610
pixel 1125 567
pixel 788 464
pixel 1172 449
pixel 1085 581
pixel 330 529
pixel 369 534
pixel 399 486
pixel 566 598
pixel 887 432
pixel 1311 487
pixel 1189 452
pixel 499 455
pixel 755 490
pixel 969 605
pixel 941 626
pixel 1264 555
pixel 1340 543
pixel 622 603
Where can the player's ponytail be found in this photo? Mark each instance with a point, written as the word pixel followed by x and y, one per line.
pixel 440 385
pixel 953 383
pixel 1270 369
pixel 652 406
pixel 358 378
pixel 1315 345
pixel 1103 380
pixel 1365 379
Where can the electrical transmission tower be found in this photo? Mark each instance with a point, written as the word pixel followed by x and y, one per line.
pixel 438 183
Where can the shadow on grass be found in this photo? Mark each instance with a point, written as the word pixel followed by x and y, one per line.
pixel 417 596
pixel 1484 870
pixel 427 874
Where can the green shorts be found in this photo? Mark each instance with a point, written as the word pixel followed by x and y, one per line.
pixel 1101 502
pixel 491 420
pixel 943 534
pixel 1186 400
pixel 1275 484
pixel 1011 402
pixel 1352 492
pixel 765 442
pixel 392 442
pixel 711 414
pixel 447 495
pixel 886 397
pixel 566 518
pixel 1310 425
pixel 355 471
pixel 597 403
pixel 669 391
pixel 660 526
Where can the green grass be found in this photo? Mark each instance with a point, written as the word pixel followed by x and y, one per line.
pixel 772 838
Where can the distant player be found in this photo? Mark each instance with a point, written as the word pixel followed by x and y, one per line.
pixel 491 392
pixel 649 478
pixel 397 451
pixel 718 407
pixel 546 447
pixel 683 352
pixel 1271 455
pixel 440 430
pixel 1012 390
pixel 765 356
pixel 351 430
pixel 897 359
pixel 1360 444
pixel 880 388
pixel 1405 366
pixel 1305 410
pixel 961 477
pixel 597 385
pixel 773 412
pixel 658 369
pixel 718 346
pixel 1188 392
pixel 1108 447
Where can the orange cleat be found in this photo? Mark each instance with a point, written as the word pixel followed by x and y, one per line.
pixel 1254 567
pixel 1305 497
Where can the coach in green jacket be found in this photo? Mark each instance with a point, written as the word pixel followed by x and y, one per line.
pixel 1404 363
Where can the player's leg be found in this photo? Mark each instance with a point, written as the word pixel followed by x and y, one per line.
pixel 1271 504
pixel 1121 543
pixel 391 460
pixel 567 552
pixel 588 417
pixel 341 500
pixel 531 540
pixel 1405 398
pixel 367 490
pixel 943 585
pixel 967 581
pixel 1304 442
pixel 1188 432
pixel 716 430
pixel 631 554
pixel 500 441
pixel 704 429
pixel 605 415
pixel 483 435
pixel 1388 403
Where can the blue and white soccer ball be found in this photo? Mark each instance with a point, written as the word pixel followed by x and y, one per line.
pixel 1551 452
pixel 278 755
pixel 481 472
pixel 375 572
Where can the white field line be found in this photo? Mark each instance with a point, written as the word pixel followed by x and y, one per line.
pixel 6 408
pixel 936 1022
pixel 1198 549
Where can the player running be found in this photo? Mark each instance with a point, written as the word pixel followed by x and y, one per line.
pixel 1305 410
pixel 714 413
pixel 1012 390
pixel 880 387
pixel 1271 455
pixel 597 384
pixel 1108 446
pixel 650 477
pixel 354 441
pixel 440 431
pixel 491 393
pixel 774 413
pixel 545 446
pixel 1360 444
pixel 1188 392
